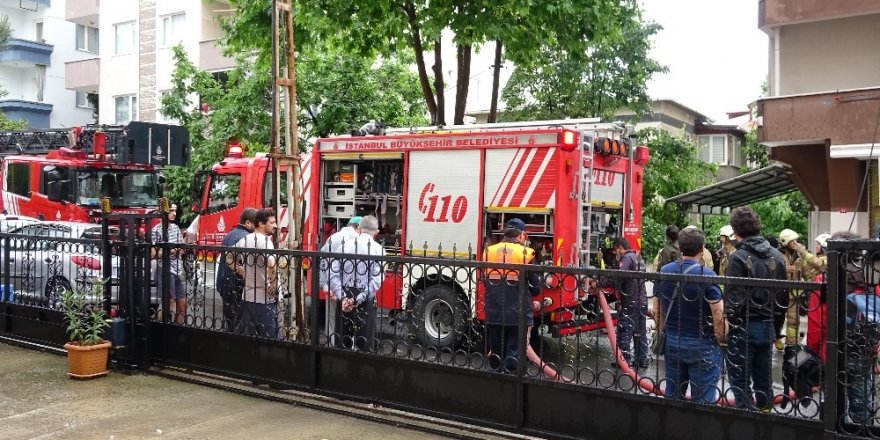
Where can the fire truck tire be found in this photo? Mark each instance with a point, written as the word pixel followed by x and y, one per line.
pixel 55 287
pixel 439 316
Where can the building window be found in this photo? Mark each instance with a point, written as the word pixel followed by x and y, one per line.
pixel 18 177
pixel 82 100
pixel 87 39
pixel 162 95
pixel 172 29
pixel 126 109
pixel 712 149
pixel 124 37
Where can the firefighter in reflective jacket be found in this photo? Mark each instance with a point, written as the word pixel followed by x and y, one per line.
pixel 504 307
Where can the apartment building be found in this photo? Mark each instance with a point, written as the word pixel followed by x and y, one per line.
pixel 133 68
pixel 823 107
pixel 32 65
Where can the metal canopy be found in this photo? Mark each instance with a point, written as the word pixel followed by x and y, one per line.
pixel 741 190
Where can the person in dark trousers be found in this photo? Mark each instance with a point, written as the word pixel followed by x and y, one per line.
pixel 229 284
pixel 751 311
pixel 504 307
pixel 632 308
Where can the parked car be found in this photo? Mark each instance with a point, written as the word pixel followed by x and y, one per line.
pixel 10 222
pixel 43 264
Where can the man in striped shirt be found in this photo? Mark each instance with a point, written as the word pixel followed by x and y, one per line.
pixel 177 294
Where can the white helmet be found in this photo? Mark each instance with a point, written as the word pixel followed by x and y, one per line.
pixel 726 231
pixel 786 236
pixel 822 239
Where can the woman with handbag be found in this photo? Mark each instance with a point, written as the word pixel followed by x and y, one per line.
pixel 691 320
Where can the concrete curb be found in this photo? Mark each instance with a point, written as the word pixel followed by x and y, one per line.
pixel 370 412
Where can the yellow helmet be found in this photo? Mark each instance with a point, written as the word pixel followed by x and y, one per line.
pixel 786 236
pixel 726 231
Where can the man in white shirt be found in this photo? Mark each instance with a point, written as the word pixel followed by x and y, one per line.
pixel 335 244
pixel 356 282
pixel 258 270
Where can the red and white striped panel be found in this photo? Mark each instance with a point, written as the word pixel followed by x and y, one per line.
pixel 521 177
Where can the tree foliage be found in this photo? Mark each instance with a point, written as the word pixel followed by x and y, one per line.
pixel 395 26
pixel 674 168
pixel 611 74
pixel 336 93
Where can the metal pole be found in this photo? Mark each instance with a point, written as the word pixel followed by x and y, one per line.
pixel 835 297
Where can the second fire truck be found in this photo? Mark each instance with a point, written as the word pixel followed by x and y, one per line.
pixel 447 193
pixel 62 174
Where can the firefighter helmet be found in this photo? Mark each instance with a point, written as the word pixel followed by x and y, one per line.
pixel 786 236
pixel 822 239
pixel 726 231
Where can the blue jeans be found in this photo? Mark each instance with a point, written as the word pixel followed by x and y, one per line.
pixel 860 392
pixel 632 329
pixel 749 357
pixel 695 362
pixel 258 319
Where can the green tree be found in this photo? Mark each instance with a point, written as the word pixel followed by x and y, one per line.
pixel 613 74
pixel 337 93
pixel 395 26
pixel 674 168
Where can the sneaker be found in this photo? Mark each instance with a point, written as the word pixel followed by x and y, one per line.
pixel 643 364
pixel 779 344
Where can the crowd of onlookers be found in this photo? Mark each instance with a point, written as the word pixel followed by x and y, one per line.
pixel 707 327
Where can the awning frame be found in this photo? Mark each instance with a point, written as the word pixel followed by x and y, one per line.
pixel 754 186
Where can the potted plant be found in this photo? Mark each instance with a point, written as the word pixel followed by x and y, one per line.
pixel 87 351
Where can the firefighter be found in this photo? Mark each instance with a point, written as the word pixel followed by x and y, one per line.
pixel 504 308
pixel 725 238
pixel 821 245
pixel 800 265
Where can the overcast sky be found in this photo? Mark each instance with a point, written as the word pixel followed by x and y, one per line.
pixel 717 56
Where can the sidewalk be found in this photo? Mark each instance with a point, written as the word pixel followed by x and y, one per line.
pixel 37 400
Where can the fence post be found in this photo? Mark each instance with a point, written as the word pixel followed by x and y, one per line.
pixel 107 264
pixel 835 295
pixel 522 341
pixel 315 291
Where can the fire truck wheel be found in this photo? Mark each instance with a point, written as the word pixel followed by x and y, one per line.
pixel 439 316
pixel 55 287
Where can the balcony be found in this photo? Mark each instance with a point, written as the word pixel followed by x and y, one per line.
pixel 25 53
pixel 82 76
pixel 211 57
pixel 773 13
pixel 84 12
pixel 36 113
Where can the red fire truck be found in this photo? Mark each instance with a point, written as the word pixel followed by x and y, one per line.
pixel 62 174
pixel 447 193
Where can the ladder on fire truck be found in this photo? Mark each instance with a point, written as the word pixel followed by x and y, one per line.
pixel 284 156
pixel 45 140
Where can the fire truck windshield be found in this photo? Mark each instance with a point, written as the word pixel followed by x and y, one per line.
pixel 126 189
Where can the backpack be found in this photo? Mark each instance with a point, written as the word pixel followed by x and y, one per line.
pixel 762 301
pixel 802 370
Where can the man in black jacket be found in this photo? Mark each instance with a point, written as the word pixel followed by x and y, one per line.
pixel 228 284
pixel 633 307
pixel 751 310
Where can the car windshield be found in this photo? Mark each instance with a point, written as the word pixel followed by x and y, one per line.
pixel 126 189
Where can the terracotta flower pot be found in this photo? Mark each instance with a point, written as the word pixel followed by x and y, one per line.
pixel 87 361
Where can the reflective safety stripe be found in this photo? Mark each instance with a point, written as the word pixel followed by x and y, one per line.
pixel 507 253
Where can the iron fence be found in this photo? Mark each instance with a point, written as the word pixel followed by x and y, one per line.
pixel 524 331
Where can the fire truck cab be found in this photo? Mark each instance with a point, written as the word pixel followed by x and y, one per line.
pixel 447 193
pixel 62 174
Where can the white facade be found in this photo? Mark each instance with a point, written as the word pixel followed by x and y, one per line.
pixel 31 84
pixel 136 57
